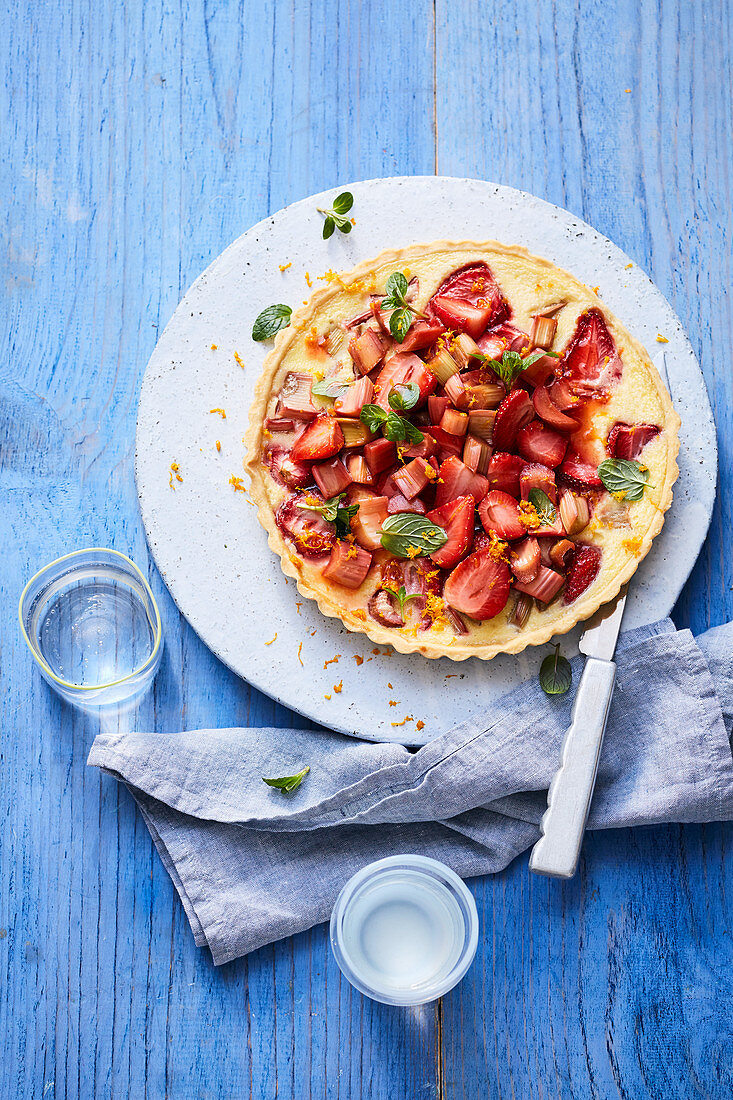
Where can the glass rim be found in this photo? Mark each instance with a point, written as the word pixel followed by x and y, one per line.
pixel 429 990
pixel 41 661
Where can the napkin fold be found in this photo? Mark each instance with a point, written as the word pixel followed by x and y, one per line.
pixel 252 864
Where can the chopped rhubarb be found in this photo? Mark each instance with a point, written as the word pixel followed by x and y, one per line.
pixel 355 433
pixel 520 613
pixel 481 423
pixel 443 365
pixel 401 370
pixel 574 512
pixel 546 408
pixel 436 407
pixel 483 395
pixel 611 512
pixel 538 443
pixel 582 572
pixel 356 397
pixel 476 454
pixel 348 564
pixel 279 424
pixel 500 513
pixel 524 559
pixel 424 449
pixel 454 422
pixel 368 350
pixel 412 478
pixel 579 474
pixel 447 444
pixel 590 361
pixel 457 392
pixel 458 314
pixel 398 503
pixel 367 523
pixel 515 412
pixel 296 475
pixel 456 519
pixel 629 440
pixel 422 335
pixel 295 396
pixel 543 331
pixel 311 534
pixel 544 587
pixel 463 349
pixel 561 553
pixel 321 439
pixel 474 283
pixel 456 480
pixel 538 476
pixel 503 472
pixel 478 586
pixel 331 477
pixel 380 454
pixel 358 470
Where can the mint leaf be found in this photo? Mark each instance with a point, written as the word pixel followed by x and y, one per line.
pixel 395 291
pixel 329 388
pixel 401 596
pixel 373 416
pixel 556 675
pixel 335 512
pixel 624 477
pixel 288 783
pixel 396 428
pixel 399 322
pixel 343 202
pixel 404 397
pixel 335 217
pixel 543 506
pixel 270 321
pixel 404 534
pixel 328 227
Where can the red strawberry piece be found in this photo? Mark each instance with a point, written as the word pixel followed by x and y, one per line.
pixel 401 370
pixel 537 476
pixel 562 395
pixel 515 412
pixel 546 408
pixel 456 519
pixel 380 454
pixel 629 440
pixel 501 338
pixel 311 534
pixel 331 477
pixel 478 586
pixel 590 361
pixel 412 478
pixel 580 474
pixel 296 475
pixel 524 558
pixel 356 397
pixel 448 445
pixel 294 398
pixel 456 480
pixel 474 283
pixel 503 472
pixel 538 372
pixel 436 407
pixel 367 523
pixel 545 586
pixel 582 572
pixel 538 443
pixel 399 503
pixel 461 315
pixel 322 438
pixel 367 350
pixel 421 335
pixel 500 513
pixel 348 565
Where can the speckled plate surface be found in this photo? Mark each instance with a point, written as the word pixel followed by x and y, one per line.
pixel 204 535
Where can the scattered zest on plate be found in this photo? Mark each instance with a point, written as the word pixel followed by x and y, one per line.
pixel 457 450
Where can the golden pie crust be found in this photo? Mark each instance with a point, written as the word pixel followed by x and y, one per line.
pixel 529 283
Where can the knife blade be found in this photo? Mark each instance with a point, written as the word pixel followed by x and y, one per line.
pixel 557 851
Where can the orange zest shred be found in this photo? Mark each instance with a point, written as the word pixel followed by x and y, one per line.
pixel 174 473
pixel 272 639
pixel 238 360
pixel 662 339
pixel 497 547
pixel 528 515
pixel 420 725
pixel 359 286
pixel 376 652
pixel 627 266
pixel 333 661
pixel 218 444
pixel 393 702
pixel 298 605
pixel 308 279
pixel 338 688
pixel 284 267
pixel 359 659
pixel 327 697
pixel 407 718
pixel 214 347
pixel 237 484
pixel 221 413
pixel 300 650
pixel 360 614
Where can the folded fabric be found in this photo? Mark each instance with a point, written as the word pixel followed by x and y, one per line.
pixel 252 864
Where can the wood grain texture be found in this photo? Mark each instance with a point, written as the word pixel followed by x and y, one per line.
pixel 140 139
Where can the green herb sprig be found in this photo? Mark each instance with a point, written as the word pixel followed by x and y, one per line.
pixel 543 506
pixel 395 298
pixel 624 477
pixel 270 321
pixel 394 426
pixel 335 512
pixel 401 596
pixel 329 388
pixel 335 217
pixel 288 783
pixel 511 365
pixel 556 674
pixel 405 532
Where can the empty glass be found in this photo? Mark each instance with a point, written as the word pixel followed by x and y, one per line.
pixel 93 626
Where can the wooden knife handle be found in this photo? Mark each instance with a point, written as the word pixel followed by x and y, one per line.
pixel 557 851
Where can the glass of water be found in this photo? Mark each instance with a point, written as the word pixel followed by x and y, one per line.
pixel 93 627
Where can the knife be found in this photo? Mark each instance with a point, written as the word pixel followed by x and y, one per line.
pixel 557 851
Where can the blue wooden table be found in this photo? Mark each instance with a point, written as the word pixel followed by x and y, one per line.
pixel 139 139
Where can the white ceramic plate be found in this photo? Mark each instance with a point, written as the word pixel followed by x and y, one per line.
pixel 204 536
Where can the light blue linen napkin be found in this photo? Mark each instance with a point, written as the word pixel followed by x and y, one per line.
pixel 252 865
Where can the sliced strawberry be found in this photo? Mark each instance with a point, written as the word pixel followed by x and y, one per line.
pixel 456 519
pixel 545 407
pixel 629 440
pixel 356 397
pixel 456 480
pixel 478 586
pixel 515 412
pixel 296 475
pixel 538 372
pixel 380 454
pixel 331 477
pixel 401 370
pixel 537 476
pixel 421 335
pixel 545 585
pixel 538 443
pixel 500 513
pixel 294 398
pixel 311 534
pixel 524 558
pixel 590 361
pixel 447 445
pixel 367 350
pixel 322 438
pixel 581 475
pixel 503 472
pixel 501 338
pixel 475 283
pixel 462 315
pixel 348 565
pixel 562 395
pixel 582 572
pixel 399 503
